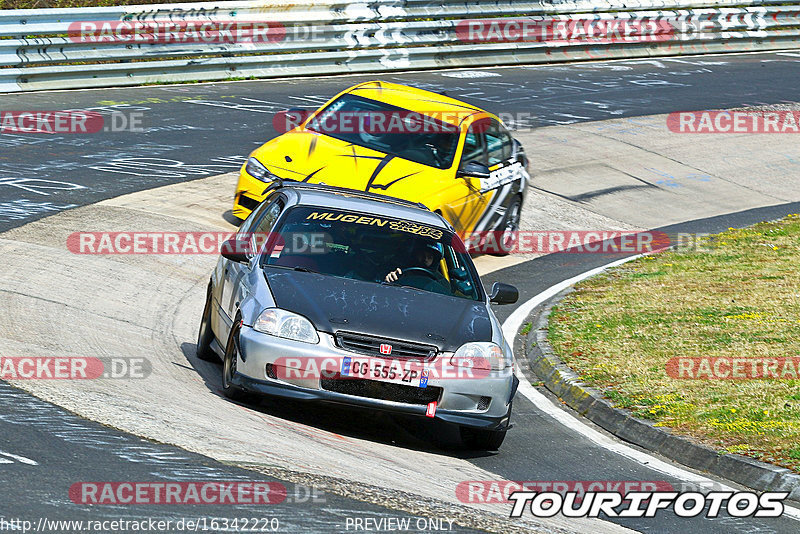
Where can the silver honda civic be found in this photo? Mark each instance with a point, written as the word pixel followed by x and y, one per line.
pixel 339 296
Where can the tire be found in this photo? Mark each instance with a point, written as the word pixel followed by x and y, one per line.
pixel 509 227
pixel 205 336
pixel 229 363
pixel 482 440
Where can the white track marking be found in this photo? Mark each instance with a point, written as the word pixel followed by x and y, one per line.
pixel 470 74
pixel 20 459
pixel 513 324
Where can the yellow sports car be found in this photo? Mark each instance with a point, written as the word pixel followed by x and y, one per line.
pixel 454 158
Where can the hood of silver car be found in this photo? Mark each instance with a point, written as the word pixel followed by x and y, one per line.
pixel 336 304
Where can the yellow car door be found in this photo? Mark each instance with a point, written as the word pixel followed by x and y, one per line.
pixel 507 178
pixel 466 203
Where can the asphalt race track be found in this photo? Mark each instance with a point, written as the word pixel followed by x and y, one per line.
pixel 69 449
pixel 198 131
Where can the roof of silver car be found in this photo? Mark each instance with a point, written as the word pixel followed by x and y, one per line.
pixel 362 201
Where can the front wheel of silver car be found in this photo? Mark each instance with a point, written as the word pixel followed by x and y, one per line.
pixel 205 336
pixel 229 363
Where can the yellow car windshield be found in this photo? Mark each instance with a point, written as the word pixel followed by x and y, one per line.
pixel 414 136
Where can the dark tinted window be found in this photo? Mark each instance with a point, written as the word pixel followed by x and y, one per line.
pixel 498 143
pixel 254 216
pixel 366 247
pixel 389 129
pixel 474 146
pixel 270 216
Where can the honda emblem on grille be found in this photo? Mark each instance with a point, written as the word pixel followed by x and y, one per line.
pixel 386 348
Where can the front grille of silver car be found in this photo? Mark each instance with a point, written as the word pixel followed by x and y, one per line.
pixel 372 389
pixel 371 346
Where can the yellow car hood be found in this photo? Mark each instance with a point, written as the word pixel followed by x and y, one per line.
pixel 311 157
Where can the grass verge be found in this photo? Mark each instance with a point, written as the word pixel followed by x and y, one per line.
pixel 738 296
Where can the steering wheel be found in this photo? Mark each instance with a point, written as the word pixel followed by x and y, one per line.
pixel 427 280
pixel 420 270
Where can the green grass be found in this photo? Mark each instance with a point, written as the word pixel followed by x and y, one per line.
pixel 739 297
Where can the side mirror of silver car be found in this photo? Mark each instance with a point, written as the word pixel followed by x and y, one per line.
pixel 236 249
pixel 503 294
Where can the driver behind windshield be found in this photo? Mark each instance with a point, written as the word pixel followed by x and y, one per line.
pixel 424 256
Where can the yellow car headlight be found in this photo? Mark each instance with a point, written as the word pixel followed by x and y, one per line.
pixel 255 169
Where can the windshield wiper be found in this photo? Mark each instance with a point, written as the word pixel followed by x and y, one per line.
pixel 404 286
pixel 300 269
pixel 304 270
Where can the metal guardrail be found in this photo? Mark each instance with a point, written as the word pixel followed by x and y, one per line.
pixel 44 49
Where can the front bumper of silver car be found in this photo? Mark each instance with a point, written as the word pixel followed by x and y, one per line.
pixel 480 402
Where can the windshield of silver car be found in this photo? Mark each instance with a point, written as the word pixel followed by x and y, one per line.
pixel 372 248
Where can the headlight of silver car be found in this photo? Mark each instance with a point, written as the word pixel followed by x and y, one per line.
pixel 480 355
pixel 285 324
pixel 255 169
